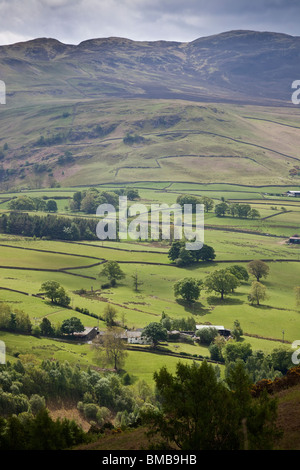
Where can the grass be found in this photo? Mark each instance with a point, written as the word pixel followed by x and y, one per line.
pixel 236 241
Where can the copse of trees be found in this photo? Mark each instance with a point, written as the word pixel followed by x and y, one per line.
pixel 239 210
pixel 27 384
pixel 40 432
pixel 56 293
pixel 207 202
pixel 88 201
pixel 14 320
pixel 183 257
pixel 212 418
pixel 50 226
pixel 26 203
pixel 178 324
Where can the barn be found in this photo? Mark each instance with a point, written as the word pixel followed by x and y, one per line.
pixel 295 240
pixel 221 330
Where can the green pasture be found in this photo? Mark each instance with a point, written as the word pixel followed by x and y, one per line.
pixel 276 319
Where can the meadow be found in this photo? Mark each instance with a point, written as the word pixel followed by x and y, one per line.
pixel 27 262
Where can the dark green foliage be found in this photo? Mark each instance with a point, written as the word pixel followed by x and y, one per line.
pixel 50 226
pixel 40 432
pixel 56 293
pixel 155 332
pixel 207 335
pixel 188 288
pixel 72 325
pixel 182 257
pixel 200 412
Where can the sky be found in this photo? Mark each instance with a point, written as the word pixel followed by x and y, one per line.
pixel 74 21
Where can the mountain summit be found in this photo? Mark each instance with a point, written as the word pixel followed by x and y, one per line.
pixel 237 66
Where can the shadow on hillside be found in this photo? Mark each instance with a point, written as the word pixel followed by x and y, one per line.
pixel 196 308
pixel 214 300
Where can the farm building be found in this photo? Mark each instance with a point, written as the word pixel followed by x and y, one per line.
pixel 293 193
pixel 295 239
pixel 88 334
pixel 135 337
pixel 221 330
pixel 130 336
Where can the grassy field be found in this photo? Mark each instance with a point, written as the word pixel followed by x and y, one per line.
pixel 236 154
pixel 26 263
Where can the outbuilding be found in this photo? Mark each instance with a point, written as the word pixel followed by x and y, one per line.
pixel 221 330
pixel 295 239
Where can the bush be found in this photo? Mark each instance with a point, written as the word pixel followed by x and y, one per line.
pixel 207 335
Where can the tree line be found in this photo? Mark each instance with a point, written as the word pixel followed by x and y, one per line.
pixel 88 201
pixel 48 227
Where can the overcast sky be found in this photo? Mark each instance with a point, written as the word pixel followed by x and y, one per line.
pixel 73 21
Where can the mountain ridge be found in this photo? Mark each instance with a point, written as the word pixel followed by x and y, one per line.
pixel 237 65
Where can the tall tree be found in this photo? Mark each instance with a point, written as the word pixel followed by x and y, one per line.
pixel 199 412
pixel 222 282
pixel 258 269
pixel 112 271
pixel 72 325
pixel 110 315
pixel 188 288
pixel 155 332
pixel 111 349
pixel 46 327
pixel 136 281
pixel 258 293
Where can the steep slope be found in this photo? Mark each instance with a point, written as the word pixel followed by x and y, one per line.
pixel 236 66
pixel 189 110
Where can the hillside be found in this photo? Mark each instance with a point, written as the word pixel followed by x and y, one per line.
pixel 287 421
pixel 216 109
pixel 237 66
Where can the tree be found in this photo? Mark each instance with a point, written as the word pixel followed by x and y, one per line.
pixel 50 288
pixel 221 209
pixel 234 351
pixel 239 271
pixel 62 298
pixel 72 325
pixel 199 412
pixel 188 288
pixel 237 331
pixel 175 249
pixel 112 271
pixel 258 269
pixel 258 293
pixel 206 253
pixel 46 327
pixel 254 214
pixel 136 281
pixel 207 335
pixel 51 206
pixel 111 349
pixel 207 202
pixel 222 282
pixel 183 257
pixel 89 203
pixel 110 315
pixel 155 332
pixel 56 293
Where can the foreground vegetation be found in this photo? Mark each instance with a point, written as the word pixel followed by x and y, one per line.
pixel 142 282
